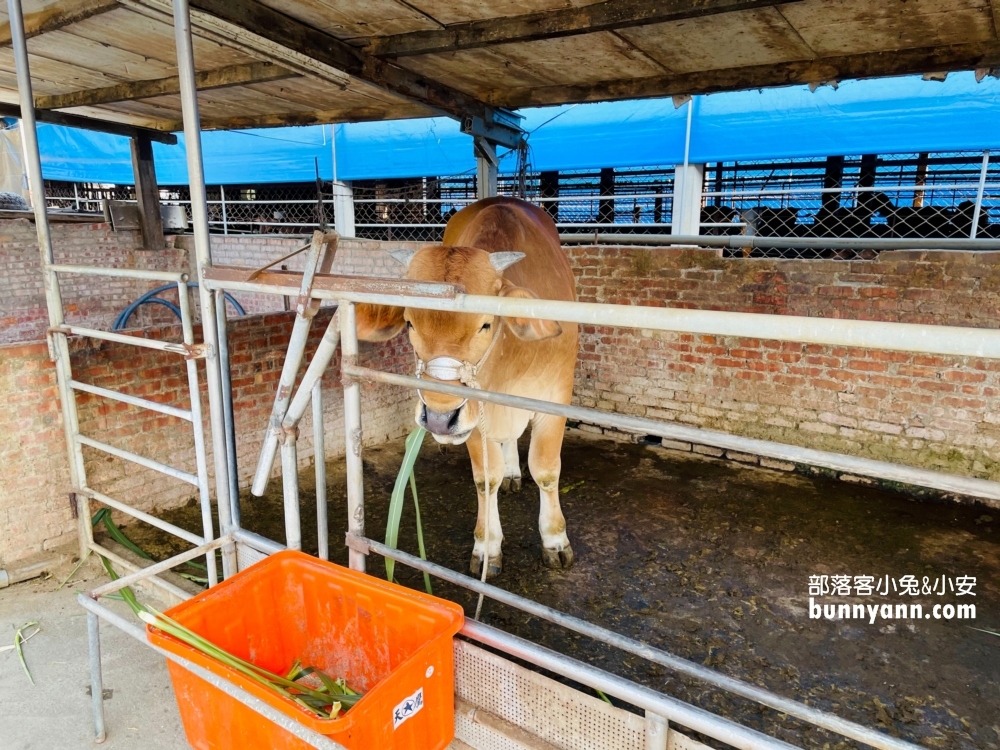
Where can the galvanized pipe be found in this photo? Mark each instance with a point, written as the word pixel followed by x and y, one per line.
pixel 159 523
pixel 290 368
pixel 632 646
pixel 229 415
pixel 866 334
pixel 96 677
pixel 124 273
pixel 198 431
pixel 142 403
pixel 124 338
pixel 850 464
pixel 58 346
pixel 203 255
pixel 749 242
pixel 175 591
pixel 697 719
pixel 289 724
pixel 303 396
pixel 319 458
pixel 156 568
pixel 321 360
pixel 979 195
pixel 290 489
pixel 149 463
pixel 352 428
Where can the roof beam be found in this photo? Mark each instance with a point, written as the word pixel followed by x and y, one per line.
pixel 283 119
pixel 869 65
pixel 606 16
pixel 300 39
pixel 90 123
pixel 233 75
pixel 57 16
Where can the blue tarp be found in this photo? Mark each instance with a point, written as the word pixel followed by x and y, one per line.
pixel 899 115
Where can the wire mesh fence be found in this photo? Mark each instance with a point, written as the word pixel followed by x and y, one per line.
pixel 897 196
pixel 903 196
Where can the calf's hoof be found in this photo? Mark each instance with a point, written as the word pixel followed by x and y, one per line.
pixel 493 569
pixel 510 484
pixel 558 558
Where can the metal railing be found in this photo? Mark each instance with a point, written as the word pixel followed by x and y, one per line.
pixel 348 291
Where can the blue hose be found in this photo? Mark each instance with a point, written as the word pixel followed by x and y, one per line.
pixel 150 297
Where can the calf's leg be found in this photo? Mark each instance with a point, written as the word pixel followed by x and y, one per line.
pixel 545 462
pixel 484 490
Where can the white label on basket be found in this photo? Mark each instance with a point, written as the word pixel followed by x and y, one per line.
pixel 407 707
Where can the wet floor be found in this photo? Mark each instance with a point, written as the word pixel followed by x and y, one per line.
pixel 712 561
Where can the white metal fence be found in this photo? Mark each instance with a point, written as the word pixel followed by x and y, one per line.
pixel 889 198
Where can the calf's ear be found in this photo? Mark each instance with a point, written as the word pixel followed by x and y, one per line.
pixel 528 329
pixel 379 322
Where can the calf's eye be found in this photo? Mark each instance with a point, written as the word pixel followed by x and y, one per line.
pixel 486 327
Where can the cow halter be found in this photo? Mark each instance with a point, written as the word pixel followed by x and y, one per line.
pixel 449 368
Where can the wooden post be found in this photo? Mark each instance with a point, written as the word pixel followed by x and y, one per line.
pixel 147 192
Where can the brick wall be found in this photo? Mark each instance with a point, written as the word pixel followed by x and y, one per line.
pixel 928 411
pixel 88 300
pixel 34 510
pixel 354 256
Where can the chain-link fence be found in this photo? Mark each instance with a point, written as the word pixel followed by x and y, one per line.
pixel 611 200
pixel 903 196
pixel 900 196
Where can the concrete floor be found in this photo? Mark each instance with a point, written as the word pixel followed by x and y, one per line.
pixel 54 714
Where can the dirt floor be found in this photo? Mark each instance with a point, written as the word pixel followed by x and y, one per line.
pixel 711 561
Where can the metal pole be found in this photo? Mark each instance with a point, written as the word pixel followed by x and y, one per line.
pixel 314 372
pixel 290 486
pixel 96 678
pixel 203 253
pixel 305 311
pixel 225 218
pixel 198 428
pixel 657 731
pixel 227 405
pixel 642 426
pixel 76 198
pixel 352 427
pixel 979 195
pixel 319 457
pixel 58 347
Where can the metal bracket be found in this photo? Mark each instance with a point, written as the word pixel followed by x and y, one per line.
pixel 498 126
pixel 357 543
pixel 198 351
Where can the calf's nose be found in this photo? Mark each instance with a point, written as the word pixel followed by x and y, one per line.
pixel 440 423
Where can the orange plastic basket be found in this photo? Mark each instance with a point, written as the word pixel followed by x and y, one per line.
pixel 391 643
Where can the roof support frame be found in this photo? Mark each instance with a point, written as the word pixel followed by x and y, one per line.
pixel 206 80
pixel 90 123
pixel 263 31
pixel 606 16
pixel 868 65
pixel 53 19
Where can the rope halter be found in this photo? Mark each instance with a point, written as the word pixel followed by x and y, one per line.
pixel 449 368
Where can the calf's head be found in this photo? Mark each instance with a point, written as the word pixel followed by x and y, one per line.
pixel 448 344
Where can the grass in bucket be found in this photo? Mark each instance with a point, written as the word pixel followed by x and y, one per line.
pixel 309 687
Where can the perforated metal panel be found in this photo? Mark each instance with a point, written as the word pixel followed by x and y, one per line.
pixel 247 556
pixel 558 715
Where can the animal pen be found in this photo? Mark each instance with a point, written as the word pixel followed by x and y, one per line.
pixel 500 703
